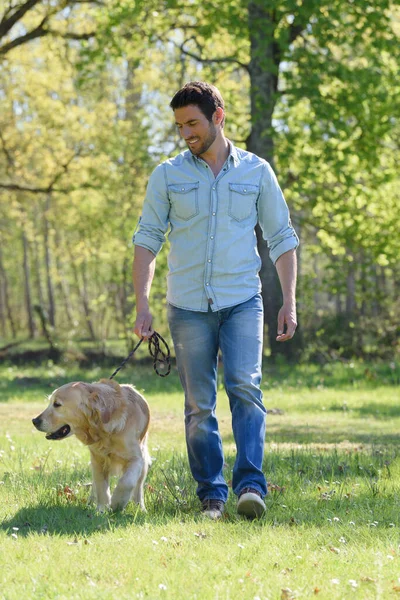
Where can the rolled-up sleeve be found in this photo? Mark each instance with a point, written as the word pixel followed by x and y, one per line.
pixel 154 221
pixel 274 217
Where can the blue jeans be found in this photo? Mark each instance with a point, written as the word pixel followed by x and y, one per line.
pixel 197 336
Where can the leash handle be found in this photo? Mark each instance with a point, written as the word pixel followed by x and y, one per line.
pixel 156 352
pixel 160 358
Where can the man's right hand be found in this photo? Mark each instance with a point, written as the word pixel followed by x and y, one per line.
pixel 143 328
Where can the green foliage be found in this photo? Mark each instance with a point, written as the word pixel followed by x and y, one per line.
pixel 84 117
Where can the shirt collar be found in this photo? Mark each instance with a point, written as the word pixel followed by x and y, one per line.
pixel 233 155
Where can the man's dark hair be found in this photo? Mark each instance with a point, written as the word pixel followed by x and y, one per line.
pixel 207 97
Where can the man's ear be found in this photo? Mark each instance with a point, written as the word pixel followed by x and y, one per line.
pixel 219 116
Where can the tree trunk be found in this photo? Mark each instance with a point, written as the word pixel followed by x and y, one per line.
pixel 28 295
pixel 6 297
pixel 48 259
pixel 264 70
pixel 351 291
pixel 64 284
pixel 85 302
pixel 37 262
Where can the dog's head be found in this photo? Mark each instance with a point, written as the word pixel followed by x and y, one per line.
pixel 74 408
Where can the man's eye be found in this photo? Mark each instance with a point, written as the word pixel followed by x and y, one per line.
pixel 56 404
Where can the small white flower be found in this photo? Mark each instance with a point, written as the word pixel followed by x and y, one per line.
pixel 353 583
pixel 390 524
pixel 241 546
pixel 342 540
pixel 162 586
pixel 351 523
pixel 336 519
pixel 335 581
pixel 14 535
pixel 155 543
pixel 15 528
pixel 390 557
pixel 164 539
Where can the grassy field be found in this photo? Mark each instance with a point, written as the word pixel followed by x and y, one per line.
pixel 332 526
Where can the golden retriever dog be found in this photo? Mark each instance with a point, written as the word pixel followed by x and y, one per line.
pixel 112 420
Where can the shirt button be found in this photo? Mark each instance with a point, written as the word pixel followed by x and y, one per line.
pixel 183 189
pixel 212 237
pixel 207 284
pixel 213 214
pixel 213 188
pixel 209 260
pixel 245 190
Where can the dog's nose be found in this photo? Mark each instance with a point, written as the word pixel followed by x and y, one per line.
pixel 36 421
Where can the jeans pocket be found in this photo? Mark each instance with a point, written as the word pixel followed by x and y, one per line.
pixel 242 200
pixel 184 199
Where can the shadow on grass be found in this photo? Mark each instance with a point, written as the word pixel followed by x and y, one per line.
pixel 320 434
pixel 71 520
pixel 308 488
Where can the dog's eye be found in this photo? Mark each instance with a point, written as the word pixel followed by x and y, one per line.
pixel 56 404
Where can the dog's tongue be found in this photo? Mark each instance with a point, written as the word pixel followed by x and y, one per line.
pixel 59 434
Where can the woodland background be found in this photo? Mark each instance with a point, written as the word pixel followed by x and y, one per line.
pixel 312 86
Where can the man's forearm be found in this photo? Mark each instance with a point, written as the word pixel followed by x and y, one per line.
pixel 286 266
pixel 144 265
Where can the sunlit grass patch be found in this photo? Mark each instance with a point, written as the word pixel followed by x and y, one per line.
pixel 331 529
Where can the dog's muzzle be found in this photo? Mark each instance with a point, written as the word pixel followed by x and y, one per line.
pixel 60 433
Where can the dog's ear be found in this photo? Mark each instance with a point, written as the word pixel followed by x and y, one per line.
pixel 88 387
pixel 105 399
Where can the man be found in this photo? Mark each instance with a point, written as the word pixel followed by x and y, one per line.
pixel 211 196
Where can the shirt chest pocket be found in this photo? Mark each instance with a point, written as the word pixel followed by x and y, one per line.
pixel 184 199
pixel 242 200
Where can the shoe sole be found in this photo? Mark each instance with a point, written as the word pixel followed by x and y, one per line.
pixel 251 506
pixel 214 515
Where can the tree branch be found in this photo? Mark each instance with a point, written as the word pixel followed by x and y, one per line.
pixel 39 31
pixel 227 59
pixel 7 23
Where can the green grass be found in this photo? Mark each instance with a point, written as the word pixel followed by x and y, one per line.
pixel 332 525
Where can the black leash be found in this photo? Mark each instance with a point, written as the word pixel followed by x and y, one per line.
pixel 161 359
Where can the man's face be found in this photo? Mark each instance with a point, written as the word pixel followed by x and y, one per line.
pixel 194 127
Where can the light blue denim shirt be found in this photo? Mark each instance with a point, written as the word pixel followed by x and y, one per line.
pixel 213 259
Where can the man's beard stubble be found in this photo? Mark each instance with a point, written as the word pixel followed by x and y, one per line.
pixel 209 140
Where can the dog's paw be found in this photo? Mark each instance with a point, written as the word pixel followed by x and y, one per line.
pixel 118 506
pixel 103 508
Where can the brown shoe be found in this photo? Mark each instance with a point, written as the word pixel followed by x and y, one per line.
pixel 250 503
pixel 212 508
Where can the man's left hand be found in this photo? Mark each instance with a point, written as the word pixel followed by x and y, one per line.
pixel 286 316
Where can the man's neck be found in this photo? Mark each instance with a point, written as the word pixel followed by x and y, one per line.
pixel 217 154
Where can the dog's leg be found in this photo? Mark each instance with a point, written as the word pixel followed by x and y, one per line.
pixel 101 486
pixel 126 485
pixel 93 495
pixel 138 491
